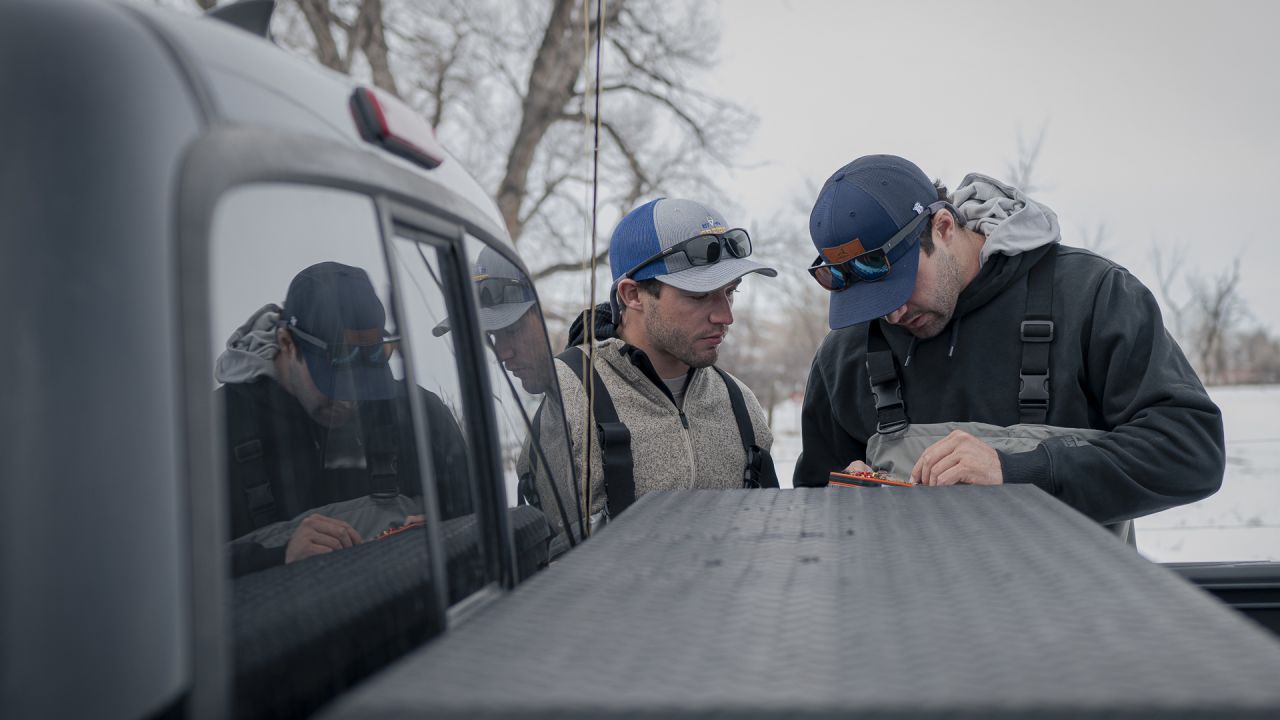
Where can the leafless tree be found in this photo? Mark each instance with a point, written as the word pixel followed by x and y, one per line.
pixel 780 322
pixel 1219 310
pixel 1257 355
pixel 1021 171
pixel 510 89
pixel 1169 261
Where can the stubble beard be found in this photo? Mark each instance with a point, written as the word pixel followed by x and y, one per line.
pixel 942 302
pixel 675 343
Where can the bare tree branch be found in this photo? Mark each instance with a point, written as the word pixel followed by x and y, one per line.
pixel 442 76
pixel 1167 272
pixel 374 46
pixel 317 15
pixel 555 268
pixel 547 191
pixel 506 100
pixel 555 70
pixel 1022 171
pixel 630 60
pixel 1218 303
pixel 667 103
pixel 357 32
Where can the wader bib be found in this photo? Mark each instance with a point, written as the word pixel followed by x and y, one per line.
pixel 898 444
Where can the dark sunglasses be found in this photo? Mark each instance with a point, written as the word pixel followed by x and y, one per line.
pixel 347 355
pixel 501 291
pixel 703 249
pixel 876 264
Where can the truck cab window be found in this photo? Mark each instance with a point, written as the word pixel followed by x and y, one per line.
pixel 322 464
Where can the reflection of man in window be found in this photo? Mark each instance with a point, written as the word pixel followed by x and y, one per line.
pixel 316 422
pixel 514 331
pixel 517 336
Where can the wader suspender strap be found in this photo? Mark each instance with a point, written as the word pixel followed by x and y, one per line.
pixel 527 485
pixel 250 457
pixel 1037 336
pixel 615 438
pixel 382 448
pixel 886 388
pixel 751 474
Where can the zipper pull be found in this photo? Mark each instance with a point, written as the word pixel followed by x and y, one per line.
pixel 684 420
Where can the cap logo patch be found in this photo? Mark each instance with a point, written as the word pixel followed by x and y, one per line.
pixel 712 225
pixel 847 251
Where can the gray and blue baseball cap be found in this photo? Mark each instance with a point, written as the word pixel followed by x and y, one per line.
pixel 503 291
pixel 860 208
pixel 656 226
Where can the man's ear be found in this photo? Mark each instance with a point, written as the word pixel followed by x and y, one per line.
pixel 285 340
pixel 629 294
pixel 944 227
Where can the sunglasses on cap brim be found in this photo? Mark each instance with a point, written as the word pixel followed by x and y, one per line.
pixel 492 291
pixel 874 264
pixel 347 355
pixel 702 249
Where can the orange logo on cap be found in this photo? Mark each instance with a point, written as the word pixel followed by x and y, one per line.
pixel 841 253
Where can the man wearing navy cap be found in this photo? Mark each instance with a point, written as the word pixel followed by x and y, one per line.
pixel 315 419
pixel 676 265
pixel 969 346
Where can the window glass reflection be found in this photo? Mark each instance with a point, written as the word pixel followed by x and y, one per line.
pixel 535 452
pixel 322 470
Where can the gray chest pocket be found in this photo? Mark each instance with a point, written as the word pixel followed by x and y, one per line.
pixel 896 453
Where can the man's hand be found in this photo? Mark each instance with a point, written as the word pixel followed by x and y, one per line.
pixel 857 466
pixel 319 534
pixel 958 458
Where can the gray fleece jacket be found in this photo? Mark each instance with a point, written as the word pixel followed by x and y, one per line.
pixel 667 455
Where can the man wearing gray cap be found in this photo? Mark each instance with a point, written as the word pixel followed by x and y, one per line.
pixel 517 336
pixel 670 419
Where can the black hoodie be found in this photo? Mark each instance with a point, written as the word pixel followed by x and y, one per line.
pixel 1113 367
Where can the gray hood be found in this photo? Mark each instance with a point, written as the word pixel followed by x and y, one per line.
pixel 251 349
pixel 1012 222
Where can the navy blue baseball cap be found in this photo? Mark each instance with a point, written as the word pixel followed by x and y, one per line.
pixel 656 226
pixel 335 305
pixel 861 207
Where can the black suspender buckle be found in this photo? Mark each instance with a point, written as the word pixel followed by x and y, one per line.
pixel 260 498
pixel 755 463
pixel 886 428
pixel 1037 331
pixel 248 451
pixel 1033 391
pixel 894 426
pixel 890 409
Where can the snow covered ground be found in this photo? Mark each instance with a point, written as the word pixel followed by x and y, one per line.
pixel 1240 522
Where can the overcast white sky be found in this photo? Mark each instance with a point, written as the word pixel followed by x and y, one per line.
pixel 1162 117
